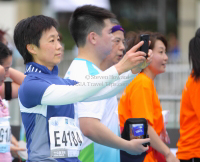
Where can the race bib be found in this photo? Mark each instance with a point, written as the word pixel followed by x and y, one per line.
pixel 65 137
pixel 5 134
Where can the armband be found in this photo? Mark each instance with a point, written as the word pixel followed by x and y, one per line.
pixel 8 90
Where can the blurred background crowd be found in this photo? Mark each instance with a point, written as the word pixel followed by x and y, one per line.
pixel 177 19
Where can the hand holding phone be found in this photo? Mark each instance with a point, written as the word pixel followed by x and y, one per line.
pixel 137 131
pixel 145 46
pixel 135 128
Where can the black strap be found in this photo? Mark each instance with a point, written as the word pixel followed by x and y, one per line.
pixel 8 90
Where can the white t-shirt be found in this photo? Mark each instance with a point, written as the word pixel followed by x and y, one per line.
pixel 105 110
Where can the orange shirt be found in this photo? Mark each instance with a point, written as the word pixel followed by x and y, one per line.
pixel 189 141
pixel 140 100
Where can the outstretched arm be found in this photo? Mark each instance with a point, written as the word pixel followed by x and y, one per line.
pixel 114 88
pixel 125 79
pixel 63 94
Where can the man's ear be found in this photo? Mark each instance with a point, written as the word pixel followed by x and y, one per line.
pixel 32 49
pixel 92 37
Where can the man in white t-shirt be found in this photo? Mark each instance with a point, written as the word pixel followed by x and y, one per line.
pixel 98 121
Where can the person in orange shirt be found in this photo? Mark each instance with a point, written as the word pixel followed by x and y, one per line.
pixel 140 99
pixel 189 141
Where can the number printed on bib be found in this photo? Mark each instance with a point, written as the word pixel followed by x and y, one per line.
pixel 5 134
pixel 65 137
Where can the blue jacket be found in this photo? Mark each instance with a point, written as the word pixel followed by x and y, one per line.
pixel 35 116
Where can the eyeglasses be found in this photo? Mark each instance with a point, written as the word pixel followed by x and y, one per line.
pixel 118 40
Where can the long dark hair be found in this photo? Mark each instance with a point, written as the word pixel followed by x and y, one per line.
pixel 194 55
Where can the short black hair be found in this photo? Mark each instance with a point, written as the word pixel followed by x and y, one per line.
pixel 29 31
pixel 86 19
pixel 194 55
pixel 4 52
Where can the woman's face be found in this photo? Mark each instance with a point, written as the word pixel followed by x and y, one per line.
pixel 160 58
pixel 7 64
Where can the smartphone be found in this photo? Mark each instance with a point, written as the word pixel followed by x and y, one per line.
pixel 136 131
pixel 145 46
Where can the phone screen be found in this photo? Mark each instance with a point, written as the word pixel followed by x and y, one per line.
pixel 137 131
